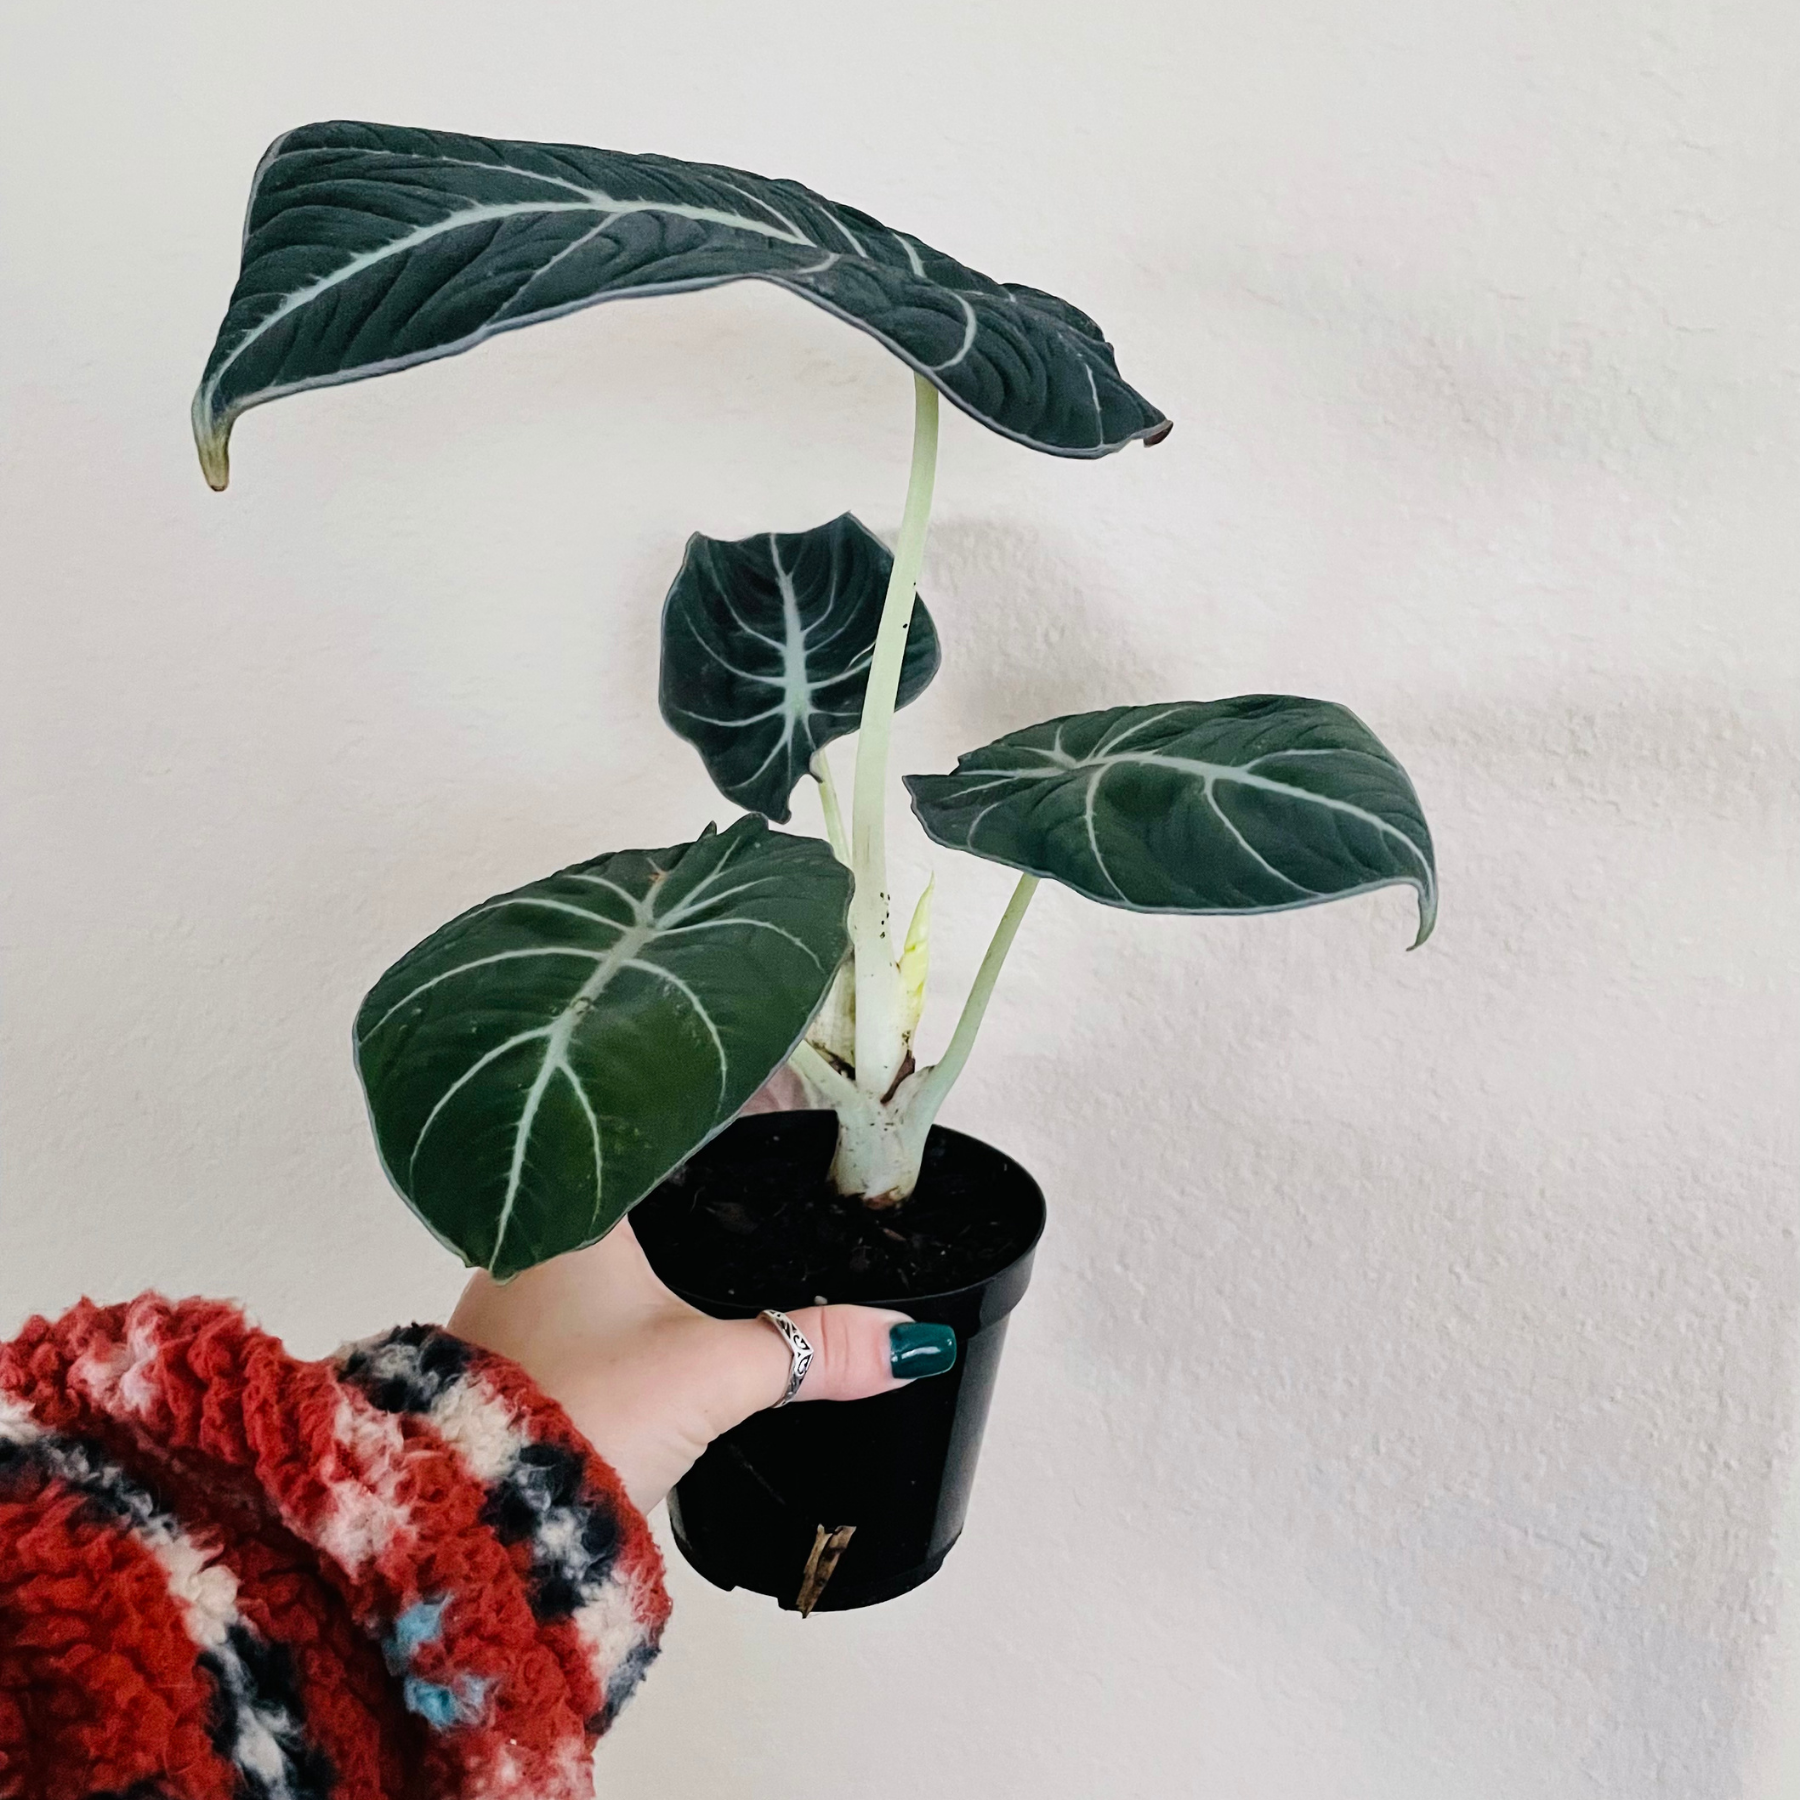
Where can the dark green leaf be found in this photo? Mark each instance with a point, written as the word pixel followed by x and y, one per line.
pixel 765 652
pixel 537 1065
pixel 1251 805
pixel 369 248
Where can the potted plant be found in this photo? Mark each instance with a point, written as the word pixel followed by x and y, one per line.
pixel 580 1046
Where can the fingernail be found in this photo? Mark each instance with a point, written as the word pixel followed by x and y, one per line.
pixel 918 1350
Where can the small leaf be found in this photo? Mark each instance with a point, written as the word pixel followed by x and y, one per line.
pixel 369 248
pixel 1257 804
pixel 536 1066
pixel 765 652
pixel 915 963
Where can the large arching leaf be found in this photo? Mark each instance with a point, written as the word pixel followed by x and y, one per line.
pixel 368 248
pixel 537 1065
pixel 765 652
pixel 1251 805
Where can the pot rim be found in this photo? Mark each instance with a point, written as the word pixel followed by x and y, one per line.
pixel 895 1303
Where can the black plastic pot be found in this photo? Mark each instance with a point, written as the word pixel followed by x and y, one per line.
pixel 767 1506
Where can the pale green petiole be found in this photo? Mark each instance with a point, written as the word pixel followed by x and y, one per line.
pixel 938 1080
pixel 880 1000
pixel 885 1109
pixel 828 803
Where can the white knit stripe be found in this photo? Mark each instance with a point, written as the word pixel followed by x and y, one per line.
pixel 608 1621
pixel 120 1379
pixel 362 1475
pixel 362 1471
pixel 570 1778
pixel 480 1427
pixel 205 1591
pixel 17 1426
pixel 611 1629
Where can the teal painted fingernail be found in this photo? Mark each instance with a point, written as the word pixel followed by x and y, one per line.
pixel 917 1350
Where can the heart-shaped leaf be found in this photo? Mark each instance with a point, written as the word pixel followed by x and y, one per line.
pixel 1257 804
pixel 537 1065
pixel 369 248
pixel 765 652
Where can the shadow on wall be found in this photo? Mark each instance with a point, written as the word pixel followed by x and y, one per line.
pixel 1033 630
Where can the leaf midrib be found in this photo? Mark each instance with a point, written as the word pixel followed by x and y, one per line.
pixel 481 211
pixel 1064 765
pixel 555 1036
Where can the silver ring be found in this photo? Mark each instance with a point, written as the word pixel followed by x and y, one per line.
pixel 800 1352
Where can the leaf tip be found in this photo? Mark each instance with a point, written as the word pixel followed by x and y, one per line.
pixel 1157 436
pixel 215 457
pixel 1427 915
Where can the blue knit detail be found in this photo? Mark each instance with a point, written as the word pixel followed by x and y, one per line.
pixel 421 1624
pixel 437 1706
pixel 441 1707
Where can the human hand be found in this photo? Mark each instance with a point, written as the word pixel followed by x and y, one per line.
pixel 650 1381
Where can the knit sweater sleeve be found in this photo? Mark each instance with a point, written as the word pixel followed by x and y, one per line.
pixel 226 1572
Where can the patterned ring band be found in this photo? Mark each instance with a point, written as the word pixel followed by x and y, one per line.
pixel 800 1352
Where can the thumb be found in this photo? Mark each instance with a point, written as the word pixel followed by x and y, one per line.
pixel 860 1351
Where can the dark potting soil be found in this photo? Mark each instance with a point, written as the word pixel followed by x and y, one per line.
pixel 753 1219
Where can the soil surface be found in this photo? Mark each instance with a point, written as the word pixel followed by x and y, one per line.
pixel 753 1219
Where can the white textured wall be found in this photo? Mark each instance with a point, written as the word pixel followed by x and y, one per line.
pixel 1402 1408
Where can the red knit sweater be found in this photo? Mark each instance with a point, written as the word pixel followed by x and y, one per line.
pixel 229 1575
